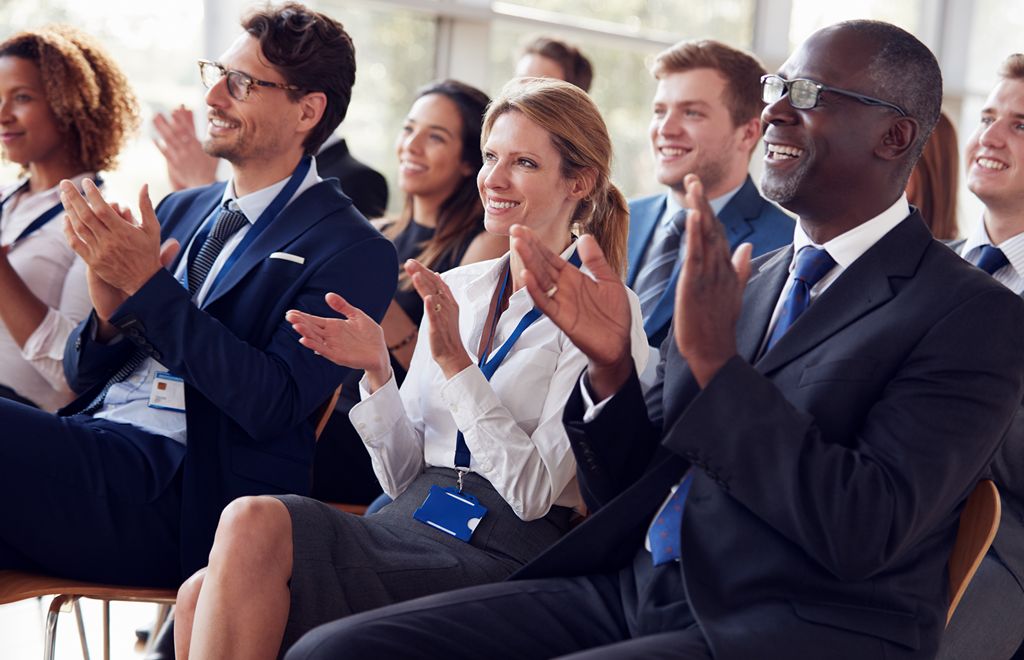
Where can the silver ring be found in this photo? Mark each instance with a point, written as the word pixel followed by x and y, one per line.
pixel 437 307
pixel 550 293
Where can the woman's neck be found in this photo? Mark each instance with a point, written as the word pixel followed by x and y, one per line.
pixel 556 243
pixel 425 210
pixel 43 176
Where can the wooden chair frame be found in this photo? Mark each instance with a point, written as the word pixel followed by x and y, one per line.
pixel 19 585
pixel 979 522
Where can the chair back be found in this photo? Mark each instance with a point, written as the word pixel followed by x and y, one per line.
pixel 324 412
pixel 978 524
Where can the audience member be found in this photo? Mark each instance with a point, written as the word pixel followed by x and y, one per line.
pixel 441 226
pixel 474 454
pixel 822 455
pixel 65 113
pixel 545 57
pixel 189 166
pixel 933 184
pixel 706 121
pixel 989 622
pixel 193 391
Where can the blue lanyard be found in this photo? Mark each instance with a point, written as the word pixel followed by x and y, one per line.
pixel 269 214
pixel 39 222
pixel 488 367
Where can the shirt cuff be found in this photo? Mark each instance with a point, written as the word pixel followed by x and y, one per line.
pixel 590 409
pixel 469 397
pixel 376 414
pixel 48 339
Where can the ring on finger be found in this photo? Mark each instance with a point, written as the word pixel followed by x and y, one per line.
pixel 437 307
pixel 550 293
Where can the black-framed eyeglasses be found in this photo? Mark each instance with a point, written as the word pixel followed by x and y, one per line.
pixel 239 84
pixel 804 93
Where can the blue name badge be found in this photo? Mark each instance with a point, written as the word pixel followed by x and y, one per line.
pixel 451 512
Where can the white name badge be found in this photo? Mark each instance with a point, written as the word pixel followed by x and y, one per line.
pixel 168 392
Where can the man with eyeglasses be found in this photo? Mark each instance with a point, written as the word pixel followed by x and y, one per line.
pixel 791 488
pixel 194 390
pixel 706 121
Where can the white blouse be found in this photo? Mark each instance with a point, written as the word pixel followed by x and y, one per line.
pixel 512 424
pixel 54 274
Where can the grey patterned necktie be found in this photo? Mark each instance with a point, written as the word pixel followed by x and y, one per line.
pixel 226 225
pixel 653 279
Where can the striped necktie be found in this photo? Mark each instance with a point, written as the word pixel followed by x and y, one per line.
pixel 811 265
pixel 653 279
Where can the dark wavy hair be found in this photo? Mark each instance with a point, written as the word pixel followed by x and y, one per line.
pixel 462 214
pixel 313 52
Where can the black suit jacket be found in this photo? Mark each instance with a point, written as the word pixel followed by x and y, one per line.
pixel 829 472
pixel 367 187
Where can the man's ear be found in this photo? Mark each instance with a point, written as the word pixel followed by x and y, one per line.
pixel 749 133
pixel 311 110
pixel 898 138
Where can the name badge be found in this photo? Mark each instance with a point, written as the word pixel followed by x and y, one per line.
pixel 451 512
pixel 168 392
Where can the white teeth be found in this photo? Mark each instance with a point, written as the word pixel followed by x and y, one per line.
pixel 501 205
pixel 415 167
pixel 672 151
pixel 783 151
pixel 220 123
pixel 990 164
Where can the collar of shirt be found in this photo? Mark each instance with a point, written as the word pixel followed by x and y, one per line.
pixel 672 206
pixel 255 203
pixel 19 213
pixel 849 246
pixel 1012 247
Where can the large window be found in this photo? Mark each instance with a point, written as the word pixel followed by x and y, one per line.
pixel 810 15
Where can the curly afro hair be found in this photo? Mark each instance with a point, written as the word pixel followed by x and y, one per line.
pixel 86 90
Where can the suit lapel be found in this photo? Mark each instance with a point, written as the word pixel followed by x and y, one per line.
pixel 759 299
pixel 864 286
pixel 296 218
pixel 643 219
pixel 204 204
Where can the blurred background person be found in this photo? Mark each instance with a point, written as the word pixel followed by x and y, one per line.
pixel 441 226
pixel 545 57
pixel 934 182
pixel 188 166
pixel 65 112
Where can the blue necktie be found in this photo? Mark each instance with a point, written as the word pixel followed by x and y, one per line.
pixel 653 279
pixel 991 259
pixel 663 535
pixel 811 265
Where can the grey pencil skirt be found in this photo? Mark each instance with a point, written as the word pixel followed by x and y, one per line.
pixel 343 564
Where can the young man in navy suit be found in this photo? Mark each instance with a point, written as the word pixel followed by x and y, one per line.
pixel 791 488
pixel 989 622
pixel 193 388
pixel 706 121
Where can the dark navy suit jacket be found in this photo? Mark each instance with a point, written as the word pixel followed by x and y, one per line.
pixel 748 218
pixel 829 472
pixel 251 388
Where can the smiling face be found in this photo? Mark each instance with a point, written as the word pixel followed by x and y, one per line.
pixel 995 152
pixel 521 181
pixel 692 131
pixel 429 149
pixel 260 128
pixel 29 130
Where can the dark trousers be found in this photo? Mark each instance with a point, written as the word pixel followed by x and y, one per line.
pixel 11 395
pixel 86 498
pixel 989 621
pixel 638 612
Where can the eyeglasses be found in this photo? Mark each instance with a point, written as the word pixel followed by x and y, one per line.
pixel 804 93
pixel 239 84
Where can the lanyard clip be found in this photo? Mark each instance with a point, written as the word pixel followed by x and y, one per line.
pixel 460 473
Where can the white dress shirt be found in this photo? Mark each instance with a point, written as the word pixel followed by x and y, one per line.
pixel 128 401
pixel 56 276
pixel 512 424
pixel 1011 275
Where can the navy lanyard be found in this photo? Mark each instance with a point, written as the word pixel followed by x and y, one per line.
pixel 488 367
pixel 47 215
pixel 269 214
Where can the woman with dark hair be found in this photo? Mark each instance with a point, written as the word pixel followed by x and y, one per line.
pixel 65 113
pixel 441 226
pixel 472 448
pixel 935 181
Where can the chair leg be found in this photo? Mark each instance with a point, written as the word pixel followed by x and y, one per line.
pixel 163 610
pixel 106 630
pixel 81 628
pixel 50 634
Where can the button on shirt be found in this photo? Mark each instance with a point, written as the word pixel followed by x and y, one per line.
pixel 128 401
pixel 512 423
pixel 1012 275
pixel 56 276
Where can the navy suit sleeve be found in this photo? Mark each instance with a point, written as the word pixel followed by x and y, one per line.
pixel 856 508
pixel 87 362
pixel 266 390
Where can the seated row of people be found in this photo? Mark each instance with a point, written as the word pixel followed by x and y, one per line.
pixel 808 407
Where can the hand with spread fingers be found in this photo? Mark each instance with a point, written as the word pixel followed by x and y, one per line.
pixel 355 341
pixel 709 293
pixel 188 165
pixel 121 252
pixel 593 311
pixel 443 312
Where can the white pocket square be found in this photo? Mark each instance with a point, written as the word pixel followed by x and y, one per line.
pixel 288 257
